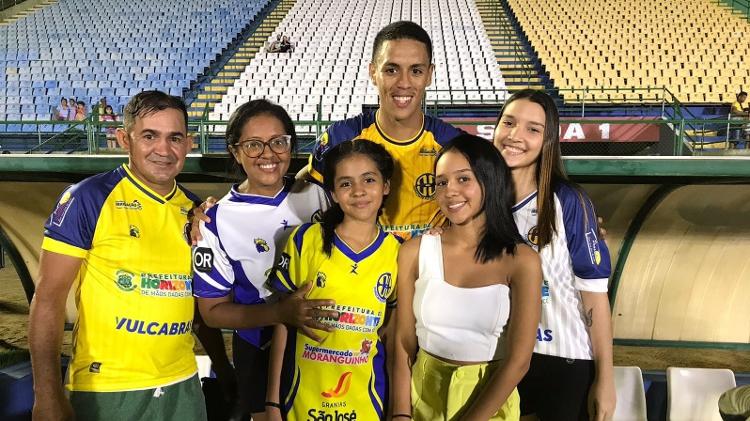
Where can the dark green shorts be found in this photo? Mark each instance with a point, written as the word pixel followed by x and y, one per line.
pixel 181 401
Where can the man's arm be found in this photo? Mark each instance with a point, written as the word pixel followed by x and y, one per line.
pixel 46 323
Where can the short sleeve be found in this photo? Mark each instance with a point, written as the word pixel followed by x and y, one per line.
pixel 290 271
pixel 213 275
pixel 70 228
pixel 589 253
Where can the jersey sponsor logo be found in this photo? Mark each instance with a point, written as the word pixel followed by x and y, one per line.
pixel 283 262
pixel 354 319
pixel 285 224
pixel 261 245
pixel 424 187
pixel 533 236
pixel 317 216
pixel 184 211
pixel 58 216
pixel 153 328
pixel 338 356
pixel 321 415
pixel 134 232
pixel 321 148
pixel 203 259
pixel 592 243
pixel 342 387
pixel 320 280
pixel 124 204
pixel 545 292
pixel 543 335
pixel 173 285
pixel 354 268
pixel 383 286
pixel 427 151
pixel 124 280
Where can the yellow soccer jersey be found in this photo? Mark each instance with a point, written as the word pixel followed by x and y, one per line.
pixel 409 209
pixel 344 376
pixel 134 296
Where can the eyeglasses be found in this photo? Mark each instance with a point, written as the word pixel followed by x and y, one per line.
pixel 254 148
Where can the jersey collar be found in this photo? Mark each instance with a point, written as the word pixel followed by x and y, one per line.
pixel 362 255
pixel 391 139
pixel 523 202
pixel 254 199
pixel 147 190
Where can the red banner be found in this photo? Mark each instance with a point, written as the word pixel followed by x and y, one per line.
pixel 578 132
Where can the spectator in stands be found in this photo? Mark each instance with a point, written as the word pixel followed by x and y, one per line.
pixel 109 115
pixel 571 375
pixel 101 107
pixel 401 68
pixel 286 46
pixel 275 46
pixel 739 111
pixel 133 343
pixel 71 110
pixel 80 111
pixel 61 112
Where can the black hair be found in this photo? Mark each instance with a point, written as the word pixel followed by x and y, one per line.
pixel 402 30
pixel 383 161
pixel 149 102
pixel 741 93
pixel 493 175
pixel 247 111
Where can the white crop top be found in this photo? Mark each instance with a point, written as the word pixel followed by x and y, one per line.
pixel 461 324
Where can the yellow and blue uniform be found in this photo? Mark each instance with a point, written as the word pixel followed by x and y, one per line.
pixel 410 209
pixel 342 377
pixel 134 290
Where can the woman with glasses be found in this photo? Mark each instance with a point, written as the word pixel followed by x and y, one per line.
pixel 244 233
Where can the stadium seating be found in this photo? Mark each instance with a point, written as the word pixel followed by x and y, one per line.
pixel 333 40
pixel 694 48
pixel 112 49
pixel 694 392
pixel 631 397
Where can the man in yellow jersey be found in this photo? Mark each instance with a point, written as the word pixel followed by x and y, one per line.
pixel 117 236
pixel 401 68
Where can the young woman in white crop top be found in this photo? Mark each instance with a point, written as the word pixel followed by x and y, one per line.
pixel 468 299
pixel 571 376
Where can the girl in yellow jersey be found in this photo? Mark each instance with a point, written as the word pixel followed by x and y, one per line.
pixel 351 260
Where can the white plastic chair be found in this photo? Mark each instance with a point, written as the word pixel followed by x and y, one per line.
pixel 694 392
pixel 204 366
pixel 631 396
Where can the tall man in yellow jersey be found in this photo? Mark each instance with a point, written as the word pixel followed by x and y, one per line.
pixel 119 235
pixel 401 68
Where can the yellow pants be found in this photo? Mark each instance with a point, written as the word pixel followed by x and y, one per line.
pixel 443 391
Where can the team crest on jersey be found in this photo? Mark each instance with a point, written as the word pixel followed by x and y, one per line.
pixel 320 280
pixel 261 245
pixel 383 287
pixel 533 236
pixel 424 187
pixel 135 232
pixel 62 208
pixel 124 280
pixel 592 243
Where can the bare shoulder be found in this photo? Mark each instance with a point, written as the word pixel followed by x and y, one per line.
pixel 410 247
pixel 526 261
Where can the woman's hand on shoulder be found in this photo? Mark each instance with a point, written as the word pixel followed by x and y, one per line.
pixel 199 214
